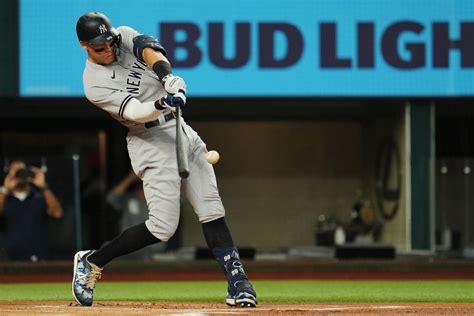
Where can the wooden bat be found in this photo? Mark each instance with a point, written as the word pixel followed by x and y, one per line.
pixel 181 147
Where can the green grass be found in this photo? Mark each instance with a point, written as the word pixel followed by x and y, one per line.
pixel 269 291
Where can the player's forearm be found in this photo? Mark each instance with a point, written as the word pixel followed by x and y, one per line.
pixel 151 56
pixel 141 112
pixel 173 85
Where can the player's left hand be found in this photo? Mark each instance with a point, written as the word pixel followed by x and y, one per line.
pixel 179 99
pixel 172 101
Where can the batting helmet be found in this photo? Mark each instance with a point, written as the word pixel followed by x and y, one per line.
pixel 94 28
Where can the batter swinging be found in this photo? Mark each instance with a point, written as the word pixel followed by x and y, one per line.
pixel 128 75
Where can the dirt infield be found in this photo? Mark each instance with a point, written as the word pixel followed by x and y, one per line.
pixel 104 308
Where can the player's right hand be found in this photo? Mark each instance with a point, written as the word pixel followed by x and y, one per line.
pixel 174 84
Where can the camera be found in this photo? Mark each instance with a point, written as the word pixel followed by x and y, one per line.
pixel 24 174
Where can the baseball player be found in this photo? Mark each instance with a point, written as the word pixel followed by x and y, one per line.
pixel 128 75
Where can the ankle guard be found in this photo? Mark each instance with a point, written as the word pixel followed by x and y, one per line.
pixel 230 263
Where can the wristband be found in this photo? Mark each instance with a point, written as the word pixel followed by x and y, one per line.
pixel 162 69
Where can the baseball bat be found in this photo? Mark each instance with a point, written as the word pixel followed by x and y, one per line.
pixel 181 148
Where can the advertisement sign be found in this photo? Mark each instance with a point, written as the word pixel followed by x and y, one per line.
pixel 308 48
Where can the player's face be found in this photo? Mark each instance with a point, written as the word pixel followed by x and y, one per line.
pixel 103 54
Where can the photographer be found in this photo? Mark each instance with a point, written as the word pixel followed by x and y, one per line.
pixel 25 203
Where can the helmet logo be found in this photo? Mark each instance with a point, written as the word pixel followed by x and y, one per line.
pixel 102 28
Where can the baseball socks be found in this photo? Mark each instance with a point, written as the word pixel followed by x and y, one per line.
pixel 130 240
pixel 239 292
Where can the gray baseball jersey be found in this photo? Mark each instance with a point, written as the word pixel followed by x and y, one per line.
pixel 152 146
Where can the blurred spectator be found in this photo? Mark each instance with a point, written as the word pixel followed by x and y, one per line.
pixel 25 203
pixel 128 198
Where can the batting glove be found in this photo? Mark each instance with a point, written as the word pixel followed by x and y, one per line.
pixel 171 102
pixel 179 99
pixel 164 103
pixel 174 84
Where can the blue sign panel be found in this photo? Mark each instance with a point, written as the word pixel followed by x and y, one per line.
pixel 267 47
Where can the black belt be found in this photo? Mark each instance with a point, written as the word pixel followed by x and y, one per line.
pixel 154 123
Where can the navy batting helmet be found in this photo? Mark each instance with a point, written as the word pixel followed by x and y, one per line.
pixel 94 28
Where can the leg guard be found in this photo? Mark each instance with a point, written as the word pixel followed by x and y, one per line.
pixel 239 292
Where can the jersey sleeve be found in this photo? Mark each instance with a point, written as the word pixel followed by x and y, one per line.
pixel 111 100
pixel 127 34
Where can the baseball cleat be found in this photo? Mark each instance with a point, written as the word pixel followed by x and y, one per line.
pixel 245 295
pixel 230 300
pixel 84 278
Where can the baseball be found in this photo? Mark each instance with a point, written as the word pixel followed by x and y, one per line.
pixel 212 157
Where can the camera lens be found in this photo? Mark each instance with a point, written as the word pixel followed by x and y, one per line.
pixel 22 174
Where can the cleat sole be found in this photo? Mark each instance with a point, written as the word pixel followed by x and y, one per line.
pixel 246 302
pixel 74 277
